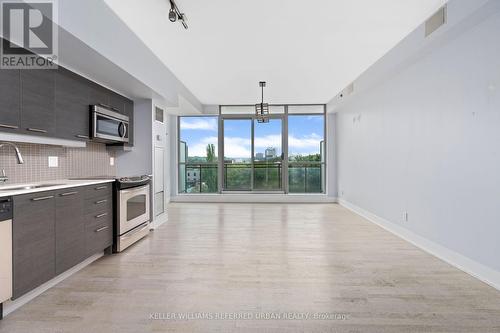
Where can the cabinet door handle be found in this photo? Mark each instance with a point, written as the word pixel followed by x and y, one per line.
pixel 68 193
pixel 101 229
pixel 36 130
pixel 43 198
pixel 101 201
pixel 101 188
pixel 9 126
pixel 81 136
pixel 101 215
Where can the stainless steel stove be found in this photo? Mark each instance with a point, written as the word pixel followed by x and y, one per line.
pixel 132 210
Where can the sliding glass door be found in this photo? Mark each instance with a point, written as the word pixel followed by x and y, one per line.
pixel 253 154
pixel 237 154
pixel 233 152
pixel 268 155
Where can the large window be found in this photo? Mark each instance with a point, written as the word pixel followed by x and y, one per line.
pixel 306 157
pixel 285 154
pixel 198 146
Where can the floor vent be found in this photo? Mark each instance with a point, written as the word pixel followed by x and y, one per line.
pixel 435 21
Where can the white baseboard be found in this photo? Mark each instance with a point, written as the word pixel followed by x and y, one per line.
pixel 254 198
pixel 10 306
pixel 158 221
pixel 467 265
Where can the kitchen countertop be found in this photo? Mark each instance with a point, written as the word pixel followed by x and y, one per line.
pixel 5 190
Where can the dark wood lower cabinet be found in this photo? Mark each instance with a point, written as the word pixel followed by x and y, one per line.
pixel 98 218
pixel 56 230
pixel 33 241
pixel 98 232
pixel 70 229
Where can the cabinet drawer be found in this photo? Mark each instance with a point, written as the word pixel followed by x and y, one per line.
pixel 98 190
pixel 104 216
pixel 99 204
pixel 98 233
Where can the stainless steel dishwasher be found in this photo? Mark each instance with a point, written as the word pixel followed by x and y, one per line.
pixel 5 251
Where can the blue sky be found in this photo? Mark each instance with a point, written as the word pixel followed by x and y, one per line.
pixel 304 135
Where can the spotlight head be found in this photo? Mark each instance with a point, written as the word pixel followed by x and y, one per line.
pixel 172 15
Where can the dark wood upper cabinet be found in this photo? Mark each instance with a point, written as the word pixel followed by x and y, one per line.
pixel 33 241
pixel 54 103
pixel 129 111
pixel 117 102
pixel 10 99
pixel 72 106
pixel 98 94
pixel 38 102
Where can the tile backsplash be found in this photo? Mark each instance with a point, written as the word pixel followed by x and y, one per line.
pixel 93 160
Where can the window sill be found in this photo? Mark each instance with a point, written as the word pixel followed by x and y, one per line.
pixel 252 197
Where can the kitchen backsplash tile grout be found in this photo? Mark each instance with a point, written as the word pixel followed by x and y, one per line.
pixel 92 160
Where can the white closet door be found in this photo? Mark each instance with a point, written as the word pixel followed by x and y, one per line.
pixel 159 180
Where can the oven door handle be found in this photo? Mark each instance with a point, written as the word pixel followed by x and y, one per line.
pixel 135 189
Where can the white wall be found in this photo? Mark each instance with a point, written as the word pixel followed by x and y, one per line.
pixel 137 160
pixel 173 135
pixel 331 156
pixel 426 141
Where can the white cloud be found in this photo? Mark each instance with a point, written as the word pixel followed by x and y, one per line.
pixel 307 141
pixel 200 148
pixel 237 147
pixel 195 123
pixel 268 141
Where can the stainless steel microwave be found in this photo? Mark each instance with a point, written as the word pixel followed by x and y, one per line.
pixel 109 125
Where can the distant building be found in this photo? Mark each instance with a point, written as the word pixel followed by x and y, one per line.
pixel 270 153
pixel 193 176
pixel 259 156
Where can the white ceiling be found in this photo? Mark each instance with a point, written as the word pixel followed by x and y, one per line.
pixel 307 51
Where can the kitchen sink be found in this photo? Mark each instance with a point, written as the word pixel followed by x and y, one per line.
pixel 28 187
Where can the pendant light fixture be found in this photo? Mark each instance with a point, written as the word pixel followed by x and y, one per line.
pixel 262 109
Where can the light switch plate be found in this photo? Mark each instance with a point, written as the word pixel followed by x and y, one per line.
pixel 53 161
pixel 111 161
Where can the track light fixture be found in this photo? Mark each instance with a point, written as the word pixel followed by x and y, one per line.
pixel 175 14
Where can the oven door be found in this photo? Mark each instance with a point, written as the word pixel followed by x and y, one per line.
pixel 133 208
pixel 109 128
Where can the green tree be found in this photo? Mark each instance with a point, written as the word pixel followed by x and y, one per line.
pixel 209 176
pixel 307 158
pixel 211 158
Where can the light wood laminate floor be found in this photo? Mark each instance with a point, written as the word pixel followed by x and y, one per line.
pixel 259 260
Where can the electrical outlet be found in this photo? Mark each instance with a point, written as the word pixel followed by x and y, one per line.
pixel 111 161
pixel 53 161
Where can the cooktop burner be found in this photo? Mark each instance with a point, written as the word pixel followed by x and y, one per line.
pixel 133 179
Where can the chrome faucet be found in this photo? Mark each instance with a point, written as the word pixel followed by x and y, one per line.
pixel 3 176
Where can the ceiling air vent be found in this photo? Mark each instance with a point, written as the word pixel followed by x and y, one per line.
pixel 158 114
pixel 435 21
